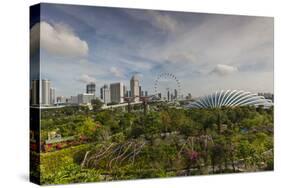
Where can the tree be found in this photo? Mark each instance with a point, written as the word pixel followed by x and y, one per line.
pixel 88 128
pixel 97 104
pixel 165 120
pixel 245 151
pixel 217 156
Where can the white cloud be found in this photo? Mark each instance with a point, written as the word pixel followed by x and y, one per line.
pixel 59 39
pixel 137 65
pixel 223 70
pixel 116 72
pixel 193 49
pixel 164 21
pixel 85 78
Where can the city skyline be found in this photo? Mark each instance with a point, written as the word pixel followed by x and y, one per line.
pixel 210 50
pixel 42 92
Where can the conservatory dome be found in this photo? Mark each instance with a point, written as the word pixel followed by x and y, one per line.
pixel 230 98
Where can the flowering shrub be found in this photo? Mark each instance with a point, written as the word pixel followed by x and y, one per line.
pixel 193 155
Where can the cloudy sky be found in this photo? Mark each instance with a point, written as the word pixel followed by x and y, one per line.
pixel 206 52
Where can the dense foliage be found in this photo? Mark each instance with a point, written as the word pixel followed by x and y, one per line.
pixel 165 142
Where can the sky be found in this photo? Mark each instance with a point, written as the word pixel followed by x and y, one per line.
pixel 206 52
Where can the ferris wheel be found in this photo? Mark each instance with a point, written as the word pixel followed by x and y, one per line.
pixel 167 76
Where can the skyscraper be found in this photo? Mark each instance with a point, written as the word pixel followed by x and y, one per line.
pixel 73 100
pixel 176 94
pixel 61 100
pixel 52 96
pixel 125 91
pixel 91 88
pixel 101 93
pixel 140 91
pixel 168 94
pixel 189 96
pixel 45 92
pixel 85 98
pixel 146 93
pixel 105 94
pixel 116 92
pixel 134 84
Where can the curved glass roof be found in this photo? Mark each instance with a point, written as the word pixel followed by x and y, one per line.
pixel 230 98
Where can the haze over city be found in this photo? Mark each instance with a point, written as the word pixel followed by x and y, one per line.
pixel 207 52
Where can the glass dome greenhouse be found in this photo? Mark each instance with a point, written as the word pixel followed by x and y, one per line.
pixel 230 98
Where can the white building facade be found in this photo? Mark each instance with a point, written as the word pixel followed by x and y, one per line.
pixel 105 94
pixel 117 92
pixel 134 86
pixel 85 98
pixel 52 96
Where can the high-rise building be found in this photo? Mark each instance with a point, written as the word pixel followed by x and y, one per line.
pixel 125 91
pixel 140 91
pixel 45 92
pixel 42 93
pixel 189 96
pixel 105 94
pixel 176 94
pixel 85 98
pixel 134 84
pixel 101 93
pixel 73 100
pixel 168 95
pixel 146 93
pixel 61 100
pixel 91 88
pixel 116 92
pixel 52 96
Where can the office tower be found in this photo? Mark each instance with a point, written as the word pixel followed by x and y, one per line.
pixel 105 94
pixel 129 93
pixel 91 88
pixel 73 100
pixel 146 93
pixel 61 100
pixel 116 92
pixel 85 98
pixel 45 92
pixel 126 94
pixel 42 93
pixel 125 91
pixel 52 96
pixel 140 91
pixel 101 93
pixel 134 84
pixel 35 92
pixel 168 94
pixel 175 94
pixel 189 96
